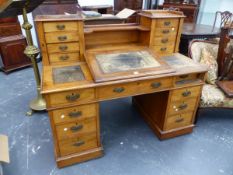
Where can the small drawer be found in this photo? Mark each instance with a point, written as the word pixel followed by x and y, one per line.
pixel 187 79
pixel 165 31
pixel 164 50
pixel 167 23
pixel 178 121
pixel 178 107
pixel 184 93
pixel 71 97
pixel 70 130
pixel 165 40
pixel 79 144
pixel 65 47
pixel 60 37
pixel 74 114
pixel 61 58
pixel 60 26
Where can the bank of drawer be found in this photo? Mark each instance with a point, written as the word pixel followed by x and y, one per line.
pixel 61 57
pixel 178 121
pixel 167 23
pixel 71 97
pixel 60 26
pixel 185 93
pixel 70 130
pixel 163 50
pixel 58 37
pixel 172 31
pixel 114 91
pixel 64 47
pixel 74 113
pixel 78 144
pixel 178 107
pixel 165 40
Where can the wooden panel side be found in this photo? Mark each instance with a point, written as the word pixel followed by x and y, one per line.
pixel 81 40
pixel 179 34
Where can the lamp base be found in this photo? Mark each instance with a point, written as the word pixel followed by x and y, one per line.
pixel 37 104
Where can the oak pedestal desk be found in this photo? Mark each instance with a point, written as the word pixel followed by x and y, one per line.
pixel 83 65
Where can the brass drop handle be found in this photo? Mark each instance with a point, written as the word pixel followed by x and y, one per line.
pixel 179 120
pixel 183 106
pixel 166 31
pixel 163 49
pixel 79 143
pixel 119 89
pixel 184 76
pixel 73 97
pixel 186 93
pixel 62 38
pixel 167 23
pixel 64 57
pixel 63 47
pixel 164 40
pixel 75 114
pixel 76 128
pixel 156 85
pixel 61 27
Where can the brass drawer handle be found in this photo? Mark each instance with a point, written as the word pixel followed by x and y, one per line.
pixel 179 120
pixel 61 27
pixel 165 31
pixel 156 85
pixel 75 114
pixel 186 93
pixel 76 128
pixel 62 38
pixel 164 40
pixel 119 89
pixel 183 106
pixel 73 97
pixel 79 143
pixel 167 23
pixel 163 49
pixel 184 76
pixel 63 47
pixel 64 57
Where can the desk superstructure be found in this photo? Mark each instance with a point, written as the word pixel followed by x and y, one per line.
pixel 167 100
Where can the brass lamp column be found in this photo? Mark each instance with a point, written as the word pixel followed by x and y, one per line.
pixel 37 104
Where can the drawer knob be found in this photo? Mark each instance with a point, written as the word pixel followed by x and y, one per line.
pixel 186 93
pixel 183 106
pixel 72 97
pixel 75 114
pixel 167 23
pixel 156 85
pixel 163 49
pixel 165 31
pixel 119 90
pixel 164 40
pixel 79 143
pixel 61 27
pixel 64 57
pixel 179 120
pixel 62 38
pixel 76 128
pixel 63 47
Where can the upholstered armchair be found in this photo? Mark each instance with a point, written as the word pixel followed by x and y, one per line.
pixel 206 52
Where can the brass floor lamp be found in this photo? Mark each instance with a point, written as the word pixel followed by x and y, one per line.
pixel 15 8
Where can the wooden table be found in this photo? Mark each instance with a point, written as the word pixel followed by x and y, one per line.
pixel 196 31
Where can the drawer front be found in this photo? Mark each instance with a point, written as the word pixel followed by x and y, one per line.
pixel 186 79
pixel 172 31
pixel 166 23
pixel 65 47
pixel 165 40
pixel 179 107
pixel 72 97
pixel 178 121
pixel 60 26
pixel 164 50
pixel 74 114
pixel 79 144
pixel 61 58
pixel 185 93
pixel 77 128
pixel 59 37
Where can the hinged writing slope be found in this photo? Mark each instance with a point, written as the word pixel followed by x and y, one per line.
pixel 123 64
